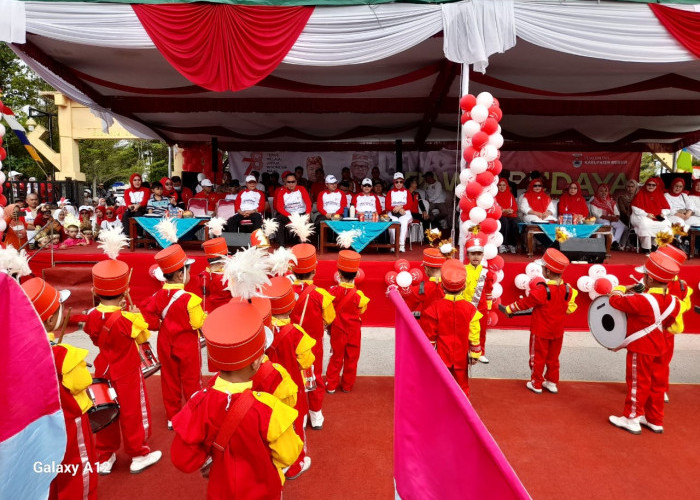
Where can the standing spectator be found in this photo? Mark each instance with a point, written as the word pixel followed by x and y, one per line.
pixel 249 205
pixel 344 187
pixel 573 203
pixel 136 199
pixel 290 199
pixel 345 176
pixel 208 194
pixel 399 205
pixel 101 192
pixel 376 177
pixel 650 212
pixel 435 196
pixel 319 184
pixel 274 185
pixel 30 214
pixel 184 192
pixel 509 216
pixel 624 201
pixel 16 226
pixel 605 210
pixel 378 190
pixel 301 181
pixel 536 205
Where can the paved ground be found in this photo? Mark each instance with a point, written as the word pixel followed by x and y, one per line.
pixel 581 359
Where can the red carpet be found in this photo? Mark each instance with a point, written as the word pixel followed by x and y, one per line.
pixel 561 446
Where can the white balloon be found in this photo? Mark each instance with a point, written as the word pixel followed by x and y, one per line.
pixel 498 225
pixel 497 290
pixel 533 270
pixel 460 189
pixel 499 130
pixel 3 225
pixel 597 271
pixel 490 251
pixel 2 177
pixel 593 294
pixel 500 275
pixel 495 140
pixel 496 238
pixel 470 128
pixel 484 201
pixel 478 165
pixel 522 281
pixel 466 176
pixel 476 215
pixel 466 226
pixel 2 130
pixel 585 283
pixel 492 190
pixel 480 113
pixel 485 99
pixel 404 279
pixel 613 279
pixel 489 152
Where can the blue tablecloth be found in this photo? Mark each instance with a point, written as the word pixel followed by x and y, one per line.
pixel 575 230
pixel 368 231
pixel 184 226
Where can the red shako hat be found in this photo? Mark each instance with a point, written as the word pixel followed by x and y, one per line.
pixel 110 277
pixel 454 275
pixel 349 261
pixel 262 304
pixel 661 267
pixel 233 345
pixel 281 295
pixel 45 298
pixel 216 247
pixel 554 260
pixel 306 258
pixel 172 258
pixel 674 253
pixel 258 239
pixel 475 244
pixel 433 258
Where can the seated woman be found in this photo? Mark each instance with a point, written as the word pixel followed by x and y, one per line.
pixel 535 205
pixel 573 203
pixel 682 207
pixel 695 200
pixel 605 210
pixel 419 210
pixel 509 216
pixel 650 212
pixel 624 201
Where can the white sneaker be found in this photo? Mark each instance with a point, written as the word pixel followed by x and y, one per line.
pixel 484 359
pixel 502 249
pixel 512 249
pixel 304 468
pixel 628 424
pixel 550 386
pixel 170 425
pixel 402 249
pixel 140 463
pixel 316 419
pixel 666 400
pixel 659 429
pixel 532 388
pixel 104 468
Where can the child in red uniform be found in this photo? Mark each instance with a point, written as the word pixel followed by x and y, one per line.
pixel 313 312
pixel 419 297
pixel 479 287
pixel 346 331
pixel 550 303
pixel 117 332
pixel 248 435
pixel 181 316
pixel 74 378
pixel 291 348
pixel 214 294
pixel 649 314
pixel 445 323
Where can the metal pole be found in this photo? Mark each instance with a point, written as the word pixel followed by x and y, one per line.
pixel 170 161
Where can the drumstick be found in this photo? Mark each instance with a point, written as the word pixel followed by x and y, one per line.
pixel 65 324
pixel 635 279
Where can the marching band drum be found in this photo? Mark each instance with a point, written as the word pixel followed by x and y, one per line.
pixel 105 407
pixel 149 361
pixel 607 324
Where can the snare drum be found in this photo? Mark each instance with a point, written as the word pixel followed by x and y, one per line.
pixel 105 408
pixel 149 362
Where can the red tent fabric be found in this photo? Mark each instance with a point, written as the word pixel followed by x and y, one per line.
pixel 682 24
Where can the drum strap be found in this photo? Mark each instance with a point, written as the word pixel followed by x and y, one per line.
pixel 478 290
pixel 234 417
pixel 658 320
pixel 175 296
pixel 305 295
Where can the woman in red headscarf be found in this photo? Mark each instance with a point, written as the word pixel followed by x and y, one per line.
pixel 573 203
pixel 680 204
pixel 650 212
pixel 536 205
pixel 509 216
pixel 169 188
pixel 136 199
pixel 604 209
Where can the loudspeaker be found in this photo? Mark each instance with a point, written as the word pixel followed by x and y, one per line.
pixel 591 250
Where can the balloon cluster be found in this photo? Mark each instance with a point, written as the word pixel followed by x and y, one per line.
pixel 496 265
pixel 3 155
pixel 598 282
pixel 481 141
pixel 198 159
pixel 530 278
pixel 403 276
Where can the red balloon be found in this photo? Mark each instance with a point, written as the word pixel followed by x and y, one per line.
pixel 417 275
pixel 402 265
pixel 479 140
pixel 489 226
pixel 496 103
pixel 495 113
pixel 494 212
pixel 470 153
pixel 3 154
pixel 534 281
pixel 492 319
pixel 495 167
pixel 466 204
pixel 467 102
pixel 489 126
pixel 497 263
pixel 466 116
pixel 474 189
pixel 390 278
pixel 485 178
pixel 0 140
pixel 602 286
pixel 360 276
pixel 464 216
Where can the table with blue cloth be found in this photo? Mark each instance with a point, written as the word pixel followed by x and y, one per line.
pixel 367 232
pixel 185 229
pixel 530 230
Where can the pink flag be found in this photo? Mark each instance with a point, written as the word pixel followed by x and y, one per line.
pixel 442 450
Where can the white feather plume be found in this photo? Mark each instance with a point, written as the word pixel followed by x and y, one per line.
pixel 279 261
pixel 167 230
pixel 13 262
pixel 112 240
pixel 270 227
pixel 299 224
pixel 345 238
pixel 216 225
pixel 246 272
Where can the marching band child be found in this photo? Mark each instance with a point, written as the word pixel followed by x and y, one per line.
pixel 249 436
pixel 346 331
pixel 313 312
pixel 421 296
pixel 444 322
pixel 291 348
pixel 479 286
pixel 117 332
pixel 211 279
pixel 181 316
pixel 74 378
pixel 550 302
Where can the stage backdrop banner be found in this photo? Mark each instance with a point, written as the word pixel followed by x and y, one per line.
pixel 442 449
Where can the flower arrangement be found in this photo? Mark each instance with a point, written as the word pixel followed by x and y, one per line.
pixel 663 238
pixel 561 234
pixel 433 235
pixel 447 248
pixel 678 230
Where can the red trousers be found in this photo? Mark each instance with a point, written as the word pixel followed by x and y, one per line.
pixel 544 353
pixel 462 378
pixel 345 353
pixel 180 370
pixel 647 376
pixel 483 325
pixel 133 423
pixel 668 356
pixel 316 396
pixel 80 450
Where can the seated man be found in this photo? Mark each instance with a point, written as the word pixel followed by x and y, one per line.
pixel 208 194
pixel 249 205
pixel 331 201
pixel 289 199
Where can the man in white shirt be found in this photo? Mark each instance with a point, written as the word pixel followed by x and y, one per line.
pixel 331 201
pixel 289 199
pixel 30 213
pixel 249 205
pixel 435 196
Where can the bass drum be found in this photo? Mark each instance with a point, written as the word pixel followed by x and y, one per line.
pixel 607 324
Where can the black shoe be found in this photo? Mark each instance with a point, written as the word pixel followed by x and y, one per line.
pixel 615 245
pixel 646 251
